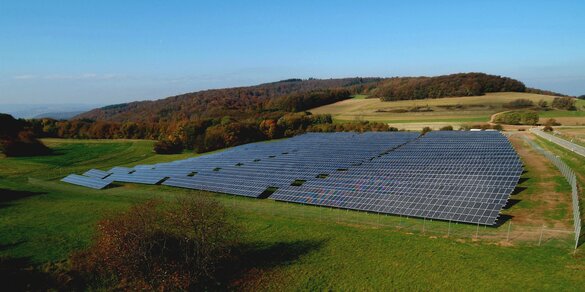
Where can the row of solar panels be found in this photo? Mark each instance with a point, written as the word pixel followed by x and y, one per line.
pixel 370 171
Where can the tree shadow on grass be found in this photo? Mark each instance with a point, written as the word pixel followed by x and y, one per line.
pixel 7 196
pixel 254 260
pixel 19 274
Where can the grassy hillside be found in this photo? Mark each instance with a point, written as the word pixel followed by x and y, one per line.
pixel 301 247
pixel 452 110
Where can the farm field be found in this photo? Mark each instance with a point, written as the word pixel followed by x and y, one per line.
pixel 445 111
pixel 42 220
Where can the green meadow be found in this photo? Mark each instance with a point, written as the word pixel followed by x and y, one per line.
pixel 296 247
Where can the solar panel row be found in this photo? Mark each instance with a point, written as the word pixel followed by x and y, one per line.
pixel 86 181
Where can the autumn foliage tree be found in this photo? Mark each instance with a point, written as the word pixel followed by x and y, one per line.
pixel 17 139
pixel 565 103
pixel 156 246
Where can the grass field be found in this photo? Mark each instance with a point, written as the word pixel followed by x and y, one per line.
pixel 302 248
pixel 453 110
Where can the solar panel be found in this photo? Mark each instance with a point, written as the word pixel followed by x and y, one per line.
pixel 142 176
pixel 85 181
pixel 96 173
pixel 448 175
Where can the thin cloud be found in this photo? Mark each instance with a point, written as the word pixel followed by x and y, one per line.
pixel 83 76
pixel 24 77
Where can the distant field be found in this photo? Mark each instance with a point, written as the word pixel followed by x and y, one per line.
pixel 453 110
pixel 305 248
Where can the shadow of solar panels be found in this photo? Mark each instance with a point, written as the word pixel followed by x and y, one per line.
pixel 454 176
pixel 85 181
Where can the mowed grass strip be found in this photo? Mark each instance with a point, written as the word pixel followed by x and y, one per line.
pixel 303 252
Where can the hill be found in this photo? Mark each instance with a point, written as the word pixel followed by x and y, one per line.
pixel 462 84
pixel 58 115
pixel 295 95
pixel 236 102
pixel 213 119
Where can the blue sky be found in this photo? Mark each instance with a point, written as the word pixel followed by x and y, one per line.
pixel 103 52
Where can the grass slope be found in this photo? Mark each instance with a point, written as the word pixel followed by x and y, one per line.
pixel 471 109
pixel 301 247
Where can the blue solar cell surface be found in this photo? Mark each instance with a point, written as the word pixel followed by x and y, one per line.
pixel 448 175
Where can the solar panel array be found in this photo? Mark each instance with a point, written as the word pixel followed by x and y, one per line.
pixel 450 175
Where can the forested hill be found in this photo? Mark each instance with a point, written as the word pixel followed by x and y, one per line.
pixel 462 84
pixel 294 95
pixel 236 102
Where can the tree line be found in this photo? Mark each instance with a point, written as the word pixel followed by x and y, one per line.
pixel 463 84
pixel 199 135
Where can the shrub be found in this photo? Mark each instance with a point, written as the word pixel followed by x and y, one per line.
pixel 517 118
pixel 168 147
pixel 519 103
pixel 159 247
pixel 565 103
pixel 552 122
pixel 447 128
pixel 426 130
pixel 497 127
pixel 547 129
pixel 542 104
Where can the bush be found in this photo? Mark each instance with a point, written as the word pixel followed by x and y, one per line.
pixel 552 122
pixel 542 104
pixel 517 118
pixel 498 127
pixel 168 147
pixel 447 128
pixel 159 247
pixel 426 130
pixel 519 103
pixel 547 129
pixel 564 103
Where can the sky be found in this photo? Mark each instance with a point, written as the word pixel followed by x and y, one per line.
pixel 104 52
